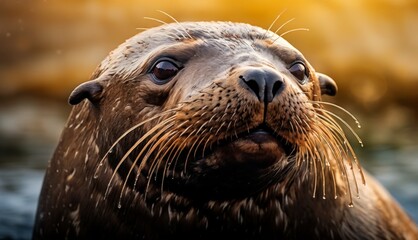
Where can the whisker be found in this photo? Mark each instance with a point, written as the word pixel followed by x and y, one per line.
pixel 187 156
pixel 201 127
pixel 169 150
pixel 151 144
pixel 271 25
pixel 355 183
pixel 315 171
pixel 176 155
pixel 141 165
pixel 317 154
pixel 294 30
pixel 284 24
pixel 334 182
pixel 125 134
pixel 330 124
pixel 291 126
pixel 219 128
pixel 178 151
pixel 346 124
pixel 339 135
pixel 191 148
pixel 336 149
pixel 186 130
pixel 335 153
pixel 197 147
pixel 343 140
pixel 322 113
pixel 125 156
pixel 329 131
pixel 175 20
pixel 155 165
pixel 168 162
pixel 156 19
pixel 341 108
pixel 210 138
pixel 172 156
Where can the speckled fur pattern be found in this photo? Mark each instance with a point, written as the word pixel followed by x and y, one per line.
pixel 140 160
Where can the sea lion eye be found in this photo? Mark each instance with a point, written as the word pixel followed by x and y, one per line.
pixel 163 71
pixel 298 70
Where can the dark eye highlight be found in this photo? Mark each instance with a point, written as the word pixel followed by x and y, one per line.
pixel 298 70
pixel 163 71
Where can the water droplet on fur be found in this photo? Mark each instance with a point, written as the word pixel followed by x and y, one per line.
pixel 119 205
pixel 351 205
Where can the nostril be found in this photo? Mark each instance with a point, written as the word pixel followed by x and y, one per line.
pixel 253 85
pixel 276 87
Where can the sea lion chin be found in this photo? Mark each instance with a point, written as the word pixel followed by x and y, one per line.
pixel 203 130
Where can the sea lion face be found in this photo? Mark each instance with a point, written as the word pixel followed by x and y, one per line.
pixel 208 113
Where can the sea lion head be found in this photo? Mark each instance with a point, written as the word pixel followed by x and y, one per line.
pixel 210 111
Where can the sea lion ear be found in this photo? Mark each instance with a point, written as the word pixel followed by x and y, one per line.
pixel 90 90
pixel 327 84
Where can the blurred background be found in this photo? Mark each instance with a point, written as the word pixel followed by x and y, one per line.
pixel 47 47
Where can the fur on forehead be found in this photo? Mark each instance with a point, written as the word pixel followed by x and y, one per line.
pixel 135 49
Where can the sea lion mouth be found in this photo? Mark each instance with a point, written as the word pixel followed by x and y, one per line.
pixel 259 146
pixel 237 166
pixel 264 135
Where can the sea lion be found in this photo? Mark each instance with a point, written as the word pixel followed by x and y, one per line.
pixel 203 130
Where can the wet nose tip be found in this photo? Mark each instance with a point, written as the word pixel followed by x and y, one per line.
pixel 263 83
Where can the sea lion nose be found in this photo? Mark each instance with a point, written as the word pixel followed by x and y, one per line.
pixel 263 82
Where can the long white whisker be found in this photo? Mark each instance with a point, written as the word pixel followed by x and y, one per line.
pixel 175 20
pixel 131 149
pixel 141 165
pixel 126 133
pixel 271 25
pixel 346 124
pixel 284 24
pixel 342 109
pixel 156 19
pixel 294 30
